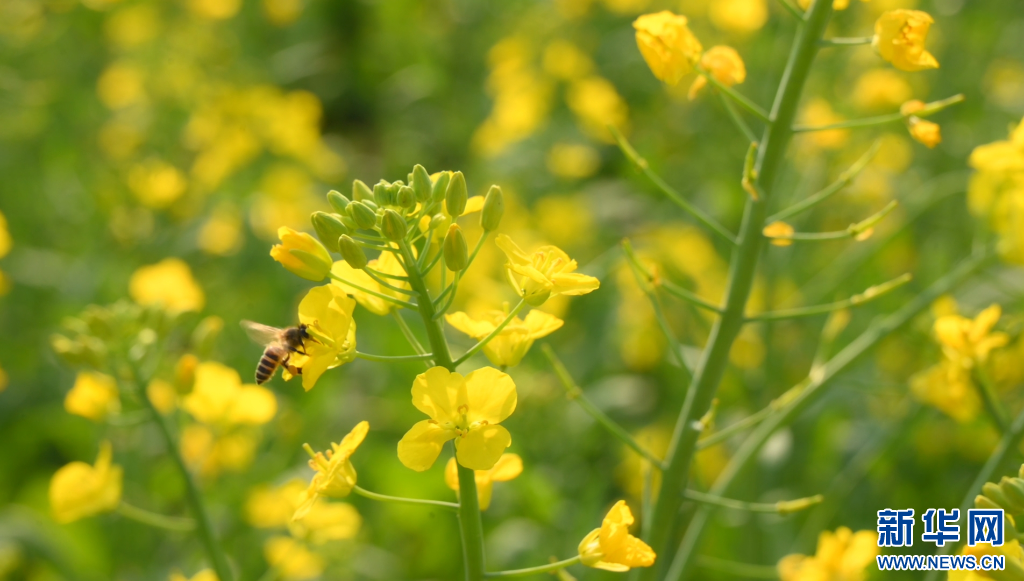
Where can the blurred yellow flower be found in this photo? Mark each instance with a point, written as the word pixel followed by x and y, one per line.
pixel 219 398
pixel 302 254
pixel 741 16
pixel 335 521
pixel 221 234
pixel 212 453
pixel 899 38
pixel 5 237
pixel 926 132
pixel 668 46
pixel 724 64
pixel 597 105
pixel 78 490
pixel 546 273
pixel 267 507
pixel 132 26
pixel 841 556
pixel 93 396
pixel 121 85
pixel 573 161
pixel 880 89
pixel 282 12
pixel 214 9
pixel 204 575
pixel 3 380
pixel 818 112
pixel 508 467
pixel 162 395
pixel 565 220
pixel 510 345
pixel 836 4
pixel 564 60
pixel 467 409
pixel 156 183
pixel 387 263
pixel 1011 550
pixel 968 342
pixel 611 547
pixel 949 388
pixel 168 283
pixel 327 313
pixel 292 559
pixel 335 475
pixel 779 233
pixel 626 6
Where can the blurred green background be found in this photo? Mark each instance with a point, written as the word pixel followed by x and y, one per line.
pixel 132 131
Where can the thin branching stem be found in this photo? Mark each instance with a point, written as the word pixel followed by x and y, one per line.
pixel 852 231
pixel 929 109
pixel 737 120
pixel 868 295
pixel 549 568
pixel 846 178
pixel 170 523
pixel 452 289
pixel 497 330
pixel 847 41
pixel 733 94
pixel 396 358
pixel 773 507
pixel 792 9
pixel 377 278
pixel 380 295
pixel 386 498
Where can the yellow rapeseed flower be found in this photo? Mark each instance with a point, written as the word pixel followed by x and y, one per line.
pixel 842 556
pixel 302 254
pixel 5 237
pixel 78 490
pixel 387 263
pixel 267 508
pixel 168 283
pixel 743 16
pixel 335 475
pixel 509 346
pixel 292 559
pixel 467 409
pixel 327 313
pixel 947 387
pixel 211 453
pixel 899 38
pixel 204 575
pixel 611 547
pixel 215 9
pixel 121 85
pixel 335 521
pixel 926 132
pixel 93 396
pixel 881 88
pixel 597 104
pixel 1011 550
pixel 667 44
pixel 219 398
pixel 779 232
pixel 546 273
pixel 574 161
pixel 156 183
pixel 968 342
pixel 508 467
pixel 162 395
pixel 724 64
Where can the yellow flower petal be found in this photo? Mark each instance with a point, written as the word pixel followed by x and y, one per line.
pixel 490 397
pixel 480 448
pixel 899 39
pixel 438 393
pixel 667 45
pixel 420 446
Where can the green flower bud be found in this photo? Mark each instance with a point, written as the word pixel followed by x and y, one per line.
pixel 337 201
pixel 420 183
pixel 785 507
pixel 537 299
pixel 494 208
pixel 456 252
pixel 992 491
pixel 440 186
pixel 456 195
pixel 351 252
pixel 437 220
pixel 371 205
pixel 349 222
pixel 1013 488
pixel 328 227
pixel 381 193
pixel 406 197
pixel 393 225
pixel 362 215
pixel 360 191
pixel 981 501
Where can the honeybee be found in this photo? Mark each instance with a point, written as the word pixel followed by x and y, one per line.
pixel 280 344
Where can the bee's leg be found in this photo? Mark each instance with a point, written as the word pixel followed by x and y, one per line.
pixel 286 363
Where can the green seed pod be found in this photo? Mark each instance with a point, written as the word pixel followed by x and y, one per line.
pixel 362 215
pixel 494 208
pixel 393 225
pixel 992 491
pixel 1013 490
pixel 381 193
pixel 456 252
pixel 982 501
pixel 406 197
pixel 328 227
pixel 420 183
pixel 456 195
pixel 440 186
pixel 361 191
pixel 351 252
pixel 338 201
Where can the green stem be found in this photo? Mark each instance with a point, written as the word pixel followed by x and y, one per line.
pixel 851 231
pixel 847 41
pixel 845 179
pixel 737 120
pixel 930 109
pixel 792 9
pixel 808 391
pixel 743 570
pixel 709 372
pixel 379 295
pixel 735 428
pixel 206 536
pixel 549 568
pixel 773 507
pixel 736 96
pixel 668 286
pixel 170 523
pixel 988 397
pixel 379 280
pixel 470 525
pixel 483 342
pixel 854 301
pixel 389 358
pixel 476 249
pixel 573 392
pixel 454 288
pixel 386 498
pixel 668 190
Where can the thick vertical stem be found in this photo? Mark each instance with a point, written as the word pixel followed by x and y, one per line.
pixel 214 552
pixel 709 371
pixel 470 525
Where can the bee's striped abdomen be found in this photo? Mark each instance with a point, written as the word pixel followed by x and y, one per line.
pixel 269 363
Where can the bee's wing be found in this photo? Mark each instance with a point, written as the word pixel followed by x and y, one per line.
pixel 260 333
